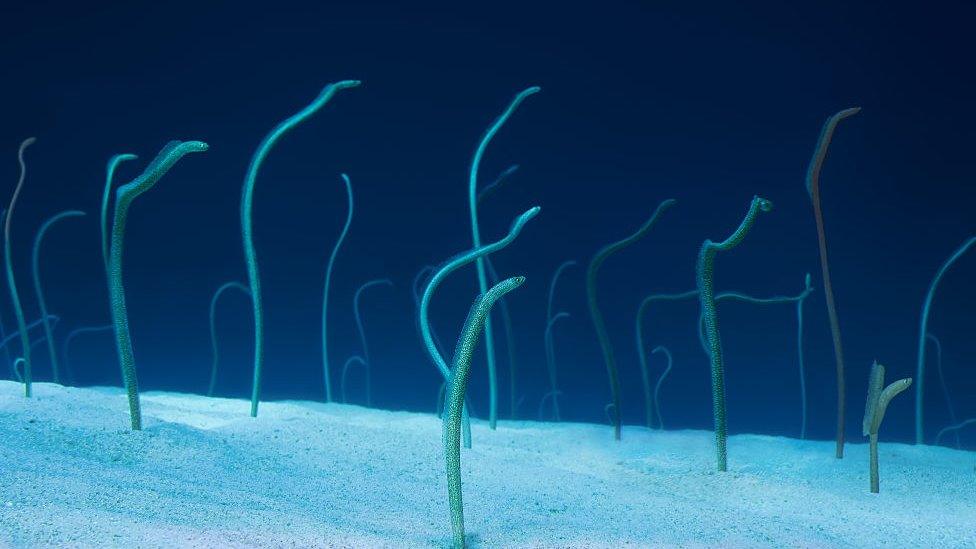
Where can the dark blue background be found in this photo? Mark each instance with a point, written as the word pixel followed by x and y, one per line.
pixel 708 103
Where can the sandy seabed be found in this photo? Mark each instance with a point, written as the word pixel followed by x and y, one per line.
pixel 204 474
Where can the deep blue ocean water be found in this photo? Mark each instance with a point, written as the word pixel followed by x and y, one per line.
pixel 706 103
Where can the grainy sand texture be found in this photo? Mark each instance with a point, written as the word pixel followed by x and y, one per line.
pixel 204 474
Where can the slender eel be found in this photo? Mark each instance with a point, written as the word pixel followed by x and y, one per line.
pixel 799 356
pixel 19 360
pixel 660 380
pixel 3 330
pixel 942 381
pixel 18 374
pixel 706 294
pixel 874 411
pixel 247 228
pixel 457 387
pixel 547 337
pixel 326 372
pixel 546 397
pixel 124 196
pixel 924 329
pixel 597 316
pixel 345 369
pixel 551 363
pixel 8 263
pixel 42 303
pixel 104 225
pixel 813 189
pixel 476 242
pixel 213 329
pixel 954 428
pixel 447 268
pixel 641 346
pixel 6 351
pixel 367 364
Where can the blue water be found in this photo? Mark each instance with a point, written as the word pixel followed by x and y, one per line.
pixel 706 104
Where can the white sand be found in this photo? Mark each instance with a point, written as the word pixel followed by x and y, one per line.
pixel 204 474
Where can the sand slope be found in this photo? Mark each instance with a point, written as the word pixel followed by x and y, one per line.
pixel 204 474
